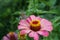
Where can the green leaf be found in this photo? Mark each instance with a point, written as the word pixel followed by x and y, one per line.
pixel 52 2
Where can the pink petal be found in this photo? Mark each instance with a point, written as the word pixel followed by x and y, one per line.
pixel 25 31
pixel 39 18
pixel 5 38
pixel 46 25
pixel 22 32
pixel 43 33
pixel 34 35
pixel 32 17
pixel 28 20
pixel 16 35
pixel 22 27
pixel 8 35
pixel 24 23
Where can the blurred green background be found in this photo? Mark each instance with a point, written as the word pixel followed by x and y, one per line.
pixel 11 10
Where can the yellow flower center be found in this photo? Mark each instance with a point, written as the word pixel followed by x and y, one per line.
pixel 11 33
pixel 35 25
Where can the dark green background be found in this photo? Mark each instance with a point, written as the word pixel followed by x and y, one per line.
pixel 11 10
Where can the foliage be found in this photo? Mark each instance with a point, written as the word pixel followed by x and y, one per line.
pixel 11 10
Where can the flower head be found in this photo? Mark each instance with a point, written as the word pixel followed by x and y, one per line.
pixel 10 36
pixel 35 25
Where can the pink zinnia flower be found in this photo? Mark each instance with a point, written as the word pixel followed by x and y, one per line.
pixel 35 26
pixel 10 36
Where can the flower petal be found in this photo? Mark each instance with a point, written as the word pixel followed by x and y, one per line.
pixel 22 27
pixel 46 25
pixel 5 38
pixel 8 35
pixel 16 36
pixel 43 33
pixel 24 23
pixel 22 32
pixel 28 20
pixel 38 18
pixel 32 17
pixel 34 35
pixel 25 31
